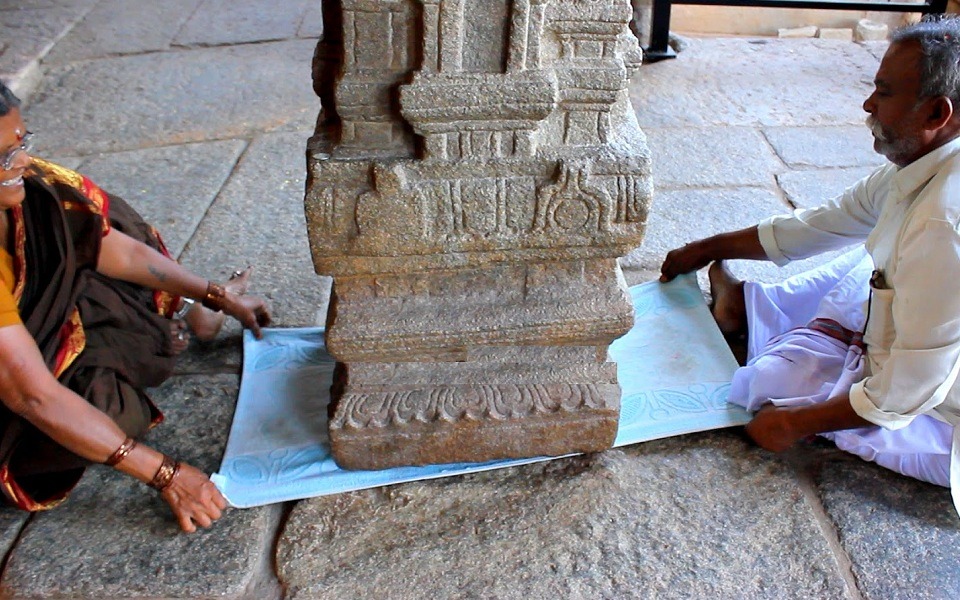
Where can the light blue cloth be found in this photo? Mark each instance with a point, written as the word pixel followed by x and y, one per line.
pixel 674 369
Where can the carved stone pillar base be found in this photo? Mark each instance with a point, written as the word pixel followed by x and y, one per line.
pixel 511 402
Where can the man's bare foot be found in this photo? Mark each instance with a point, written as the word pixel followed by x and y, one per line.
pixel 205 323
pixel 729 308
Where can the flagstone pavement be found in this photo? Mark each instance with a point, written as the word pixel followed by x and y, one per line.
pixel 198 111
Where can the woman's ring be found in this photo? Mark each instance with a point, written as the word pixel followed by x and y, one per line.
pixel 236 274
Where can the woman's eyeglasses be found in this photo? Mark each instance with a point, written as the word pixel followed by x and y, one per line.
pixel 26 145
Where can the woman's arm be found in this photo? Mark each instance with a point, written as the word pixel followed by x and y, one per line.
pixel 124 258
pixel 29 389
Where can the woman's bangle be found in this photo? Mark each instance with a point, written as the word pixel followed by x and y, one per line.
pixel 165 475
pixel 215 297
pixel 121 453
pixel 185 305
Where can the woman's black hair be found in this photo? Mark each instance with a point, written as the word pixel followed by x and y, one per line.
pixel 8 100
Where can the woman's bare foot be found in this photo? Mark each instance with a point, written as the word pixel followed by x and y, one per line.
pixel 729 307
pixel 205 323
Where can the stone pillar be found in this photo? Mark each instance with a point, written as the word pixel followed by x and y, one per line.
pixel 475 174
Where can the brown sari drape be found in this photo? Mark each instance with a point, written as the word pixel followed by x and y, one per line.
pixel 119 345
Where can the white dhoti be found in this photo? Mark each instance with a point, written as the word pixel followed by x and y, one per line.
pixel 802 349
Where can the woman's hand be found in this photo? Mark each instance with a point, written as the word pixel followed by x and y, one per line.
pixel 252 311
pixel 194 499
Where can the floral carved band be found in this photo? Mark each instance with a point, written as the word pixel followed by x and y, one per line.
pixel 215 297
pixel 121 452
pixel 167 472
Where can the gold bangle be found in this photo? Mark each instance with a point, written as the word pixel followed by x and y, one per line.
pixel 121 453
pixel 215 297
pixel 165 475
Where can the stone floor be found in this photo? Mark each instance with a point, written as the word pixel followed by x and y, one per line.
pixel 198 111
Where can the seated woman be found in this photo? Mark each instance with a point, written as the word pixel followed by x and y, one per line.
pixel 84 329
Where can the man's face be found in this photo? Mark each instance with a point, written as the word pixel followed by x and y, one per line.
pixel 897 117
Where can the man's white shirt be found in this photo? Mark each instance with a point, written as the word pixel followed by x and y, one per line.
pixel 908 219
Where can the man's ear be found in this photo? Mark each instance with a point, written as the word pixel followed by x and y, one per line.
pixel 940 112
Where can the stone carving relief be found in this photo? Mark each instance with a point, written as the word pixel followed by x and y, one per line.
pixel 573 203
pixel 463 403
pixel 474 176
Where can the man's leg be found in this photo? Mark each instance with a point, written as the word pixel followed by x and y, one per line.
pixel 729 307
pixel 788 362
pixel 773 309
pixel 920 450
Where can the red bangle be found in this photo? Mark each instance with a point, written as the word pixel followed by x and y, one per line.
pixel 215 297
pixel 168 471
pixel 121 453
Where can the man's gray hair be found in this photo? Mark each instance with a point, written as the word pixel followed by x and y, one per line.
pixel 939 39
pixel 8 100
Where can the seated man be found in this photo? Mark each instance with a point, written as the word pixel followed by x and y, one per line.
pixel 867 349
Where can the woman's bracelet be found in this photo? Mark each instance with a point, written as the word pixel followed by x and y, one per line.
pixel 185 305
pixel 168 471
pixel 215 297
pixel 121 453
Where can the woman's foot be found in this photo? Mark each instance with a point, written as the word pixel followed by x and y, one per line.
pixel 205 323
pixel 179 336
pixel 728 307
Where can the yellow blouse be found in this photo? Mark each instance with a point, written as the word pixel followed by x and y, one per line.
pixel 9 315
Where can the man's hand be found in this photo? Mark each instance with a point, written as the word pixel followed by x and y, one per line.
pixel 778 428
pixel 773 429
pixel 684 260
pixel 194 499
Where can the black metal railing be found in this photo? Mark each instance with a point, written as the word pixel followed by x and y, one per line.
pixel 659 48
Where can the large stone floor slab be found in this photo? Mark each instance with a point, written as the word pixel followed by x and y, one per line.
pixel 175 97
pixel 806 189
pixel 258 220
pixel 830 147
pixel 901 534
pixel 115 537
pixel 676 218
pixel 761 81
pixel 29 29
pixel 241 21
pixel 11 523
pixel 705 516
pixel 711 156
pixel 174 205
pixel 123 27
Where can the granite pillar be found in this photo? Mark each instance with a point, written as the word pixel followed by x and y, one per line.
pixel 476 171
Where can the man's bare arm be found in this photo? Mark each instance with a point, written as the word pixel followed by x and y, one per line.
pixel 741 244
pixel 777 428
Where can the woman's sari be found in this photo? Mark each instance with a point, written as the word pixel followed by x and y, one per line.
pixel 106 340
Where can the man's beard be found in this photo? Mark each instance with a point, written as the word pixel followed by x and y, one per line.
pixel 898 150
